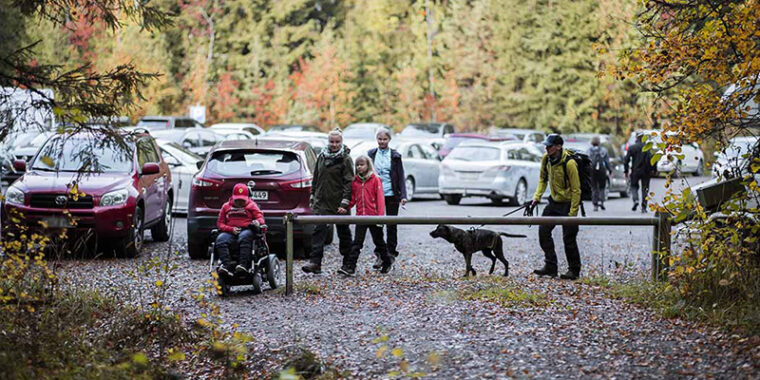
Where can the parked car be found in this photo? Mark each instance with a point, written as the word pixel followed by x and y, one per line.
pixel 292 128
pixel 617 181
pixel 433 133
pixel 168 122
pixel 358 132
pixel 278 174
pixel 19 146
pixel 531 136
pixel 731 158
pixel 421 164
pixel 196 140
pixel 127 190
pixel 251 128
pixel 454 139
pixel 495 170
pixel 693 160
pixel 234 134
pixel 317 140
pixel 183 165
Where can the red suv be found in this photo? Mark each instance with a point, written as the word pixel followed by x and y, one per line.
pixel 127 188
pixel 278 174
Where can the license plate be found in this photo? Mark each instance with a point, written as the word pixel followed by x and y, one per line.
pixel 260 195
pixel 57 222
pixel 469 176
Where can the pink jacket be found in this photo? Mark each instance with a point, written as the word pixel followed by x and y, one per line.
pixel 368 196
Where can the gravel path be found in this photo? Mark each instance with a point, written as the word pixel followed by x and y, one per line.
pixel 560 330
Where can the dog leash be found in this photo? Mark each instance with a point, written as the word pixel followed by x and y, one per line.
pixel 472 229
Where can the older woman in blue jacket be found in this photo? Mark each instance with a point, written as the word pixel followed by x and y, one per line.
pixel 390 169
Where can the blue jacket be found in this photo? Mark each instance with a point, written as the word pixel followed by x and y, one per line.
pixel 398 179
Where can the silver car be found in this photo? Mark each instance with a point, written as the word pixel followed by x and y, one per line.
pixel 498 171
pixel 183 165
pixel 420 160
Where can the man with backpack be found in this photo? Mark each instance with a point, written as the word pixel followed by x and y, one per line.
pixel 641 171
pixel 600 168
pixel 560 171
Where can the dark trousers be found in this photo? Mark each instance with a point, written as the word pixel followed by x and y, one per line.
pixel 360 233
pixel 391 208
pixel 244 242
pixel 598 183
pixel 320 236
pixel 569 238
pixel 644 179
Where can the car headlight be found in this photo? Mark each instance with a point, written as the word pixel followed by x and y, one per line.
pixel 14 196
pixel 114 198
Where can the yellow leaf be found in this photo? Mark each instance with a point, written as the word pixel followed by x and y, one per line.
pixel 175 356
pixel 397 352
pixel 381 351
pixel 159 283
pixel 47 161
pixel 404 365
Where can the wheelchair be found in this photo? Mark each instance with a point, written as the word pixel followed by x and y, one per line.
pixel 264 266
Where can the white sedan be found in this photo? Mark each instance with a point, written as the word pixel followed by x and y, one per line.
pixel 184 165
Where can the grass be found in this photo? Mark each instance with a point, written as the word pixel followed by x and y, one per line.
pixel 503 292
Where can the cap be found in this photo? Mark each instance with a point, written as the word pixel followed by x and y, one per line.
pixel 553 139
pixel 240 191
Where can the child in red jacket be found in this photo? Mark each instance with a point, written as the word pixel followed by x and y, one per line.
pixel 234 219
pixel 368 197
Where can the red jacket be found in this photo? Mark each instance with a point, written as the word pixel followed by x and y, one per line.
pixel 231 216
pixel 368 196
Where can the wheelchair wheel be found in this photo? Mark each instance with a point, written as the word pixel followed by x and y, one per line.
pixel 256 283
pixel 274 272
pixel 224 287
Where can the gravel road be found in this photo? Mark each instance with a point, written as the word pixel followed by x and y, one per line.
pixel 425 310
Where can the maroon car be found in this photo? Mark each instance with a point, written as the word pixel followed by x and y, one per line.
pixel 278 174
pixel 127 188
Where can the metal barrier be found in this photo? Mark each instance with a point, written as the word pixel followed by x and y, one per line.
pixel 660 243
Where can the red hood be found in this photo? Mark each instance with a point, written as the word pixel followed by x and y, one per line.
pixel 91 184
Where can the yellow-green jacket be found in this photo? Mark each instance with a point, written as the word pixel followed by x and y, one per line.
pixel 559 188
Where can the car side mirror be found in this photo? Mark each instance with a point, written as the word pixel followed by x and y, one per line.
pixel 150 168
pixel 19 165
pixel 199 164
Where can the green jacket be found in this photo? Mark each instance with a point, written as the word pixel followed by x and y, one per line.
pixel 560 188
pixel 331 184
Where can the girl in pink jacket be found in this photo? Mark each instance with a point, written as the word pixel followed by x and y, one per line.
pixel 368 197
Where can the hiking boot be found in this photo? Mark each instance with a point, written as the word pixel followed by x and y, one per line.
pixel 386 267
pixel 643 210
pixel 224 270
pixel 635 206
pixel 312 268
pixel 346 271
pixel 241 270
pixel 378 263
pixel 546 271
pixel 570 275
pixel 601 206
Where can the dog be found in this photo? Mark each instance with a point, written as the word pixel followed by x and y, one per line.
pixel 469 242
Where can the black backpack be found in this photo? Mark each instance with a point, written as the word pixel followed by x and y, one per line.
pixel 583 162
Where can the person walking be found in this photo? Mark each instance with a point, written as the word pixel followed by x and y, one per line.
pixel 330 195
pixel 368 197
pixel 600 169
pixel 390 169
pixel 560 173
pixel 641 172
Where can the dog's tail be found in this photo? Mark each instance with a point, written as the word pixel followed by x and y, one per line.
pixel 511 235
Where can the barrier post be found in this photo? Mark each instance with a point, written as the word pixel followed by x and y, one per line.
pixel 289 254
pixel 661 247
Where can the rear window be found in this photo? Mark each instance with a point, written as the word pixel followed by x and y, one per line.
pixel 451 142
pixel 245 163
pixel 475 153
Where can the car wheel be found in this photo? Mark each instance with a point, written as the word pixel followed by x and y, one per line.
pixel 197 251
pixel 521 194
pixel 130 246
pixel 274 272
pixel 700 169
pixel 160 232
pixel 452 199
pixel 409 188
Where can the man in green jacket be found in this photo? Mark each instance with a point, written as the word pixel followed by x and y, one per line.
pixel 561 174
pixel 330 195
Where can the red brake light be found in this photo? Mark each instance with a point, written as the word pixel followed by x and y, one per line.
pixel 205 182
pixel 298 184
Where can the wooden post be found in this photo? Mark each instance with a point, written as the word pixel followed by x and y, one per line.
pixel 656 249
pixel 661 247
pixel 289 254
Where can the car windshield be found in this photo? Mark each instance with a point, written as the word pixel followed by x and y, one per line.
pixel 360 131
pixel 242 163
pixel 475 153
pixel 74 154
pixel 420 130
pixel 153 123
pixel 179 152
pixel 451 142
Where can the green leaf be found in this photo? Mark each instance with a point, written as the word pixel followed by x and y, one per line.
pixel 176 356
pixel 140 359
pixel 655 158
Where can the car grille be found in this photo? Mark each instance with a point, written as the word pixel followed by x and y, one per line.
pixel 49 201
